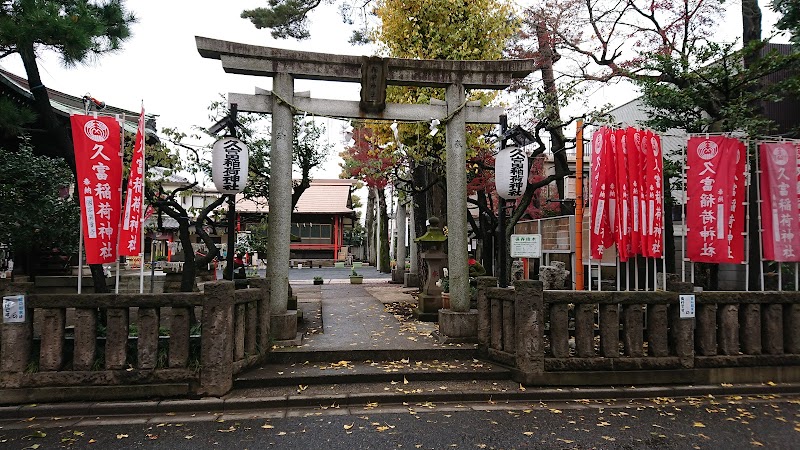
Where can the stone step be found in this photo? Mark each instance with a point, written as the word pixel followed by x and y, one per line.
pixel 344 371
pixel 290 355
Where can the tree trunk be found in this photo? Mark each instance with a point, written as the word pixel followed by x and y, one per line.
pixel 751 32
pixel 553 113
pixel 369 224
pixel 384 265
pixel 487 236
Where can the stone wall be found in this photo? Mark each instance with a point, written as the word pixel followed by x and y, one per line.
pixel 551 337
pixel 133 348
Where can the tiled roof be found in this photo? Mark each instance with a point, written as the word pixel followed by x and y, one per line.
pixel 66 105
pixel 322 197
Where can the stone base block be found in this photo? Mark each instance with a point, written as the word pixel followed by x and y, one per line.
pixel 459 325
pixel 283 327
pixel 411 280
pixel 296 342
pixel 398 276
pixel 425 317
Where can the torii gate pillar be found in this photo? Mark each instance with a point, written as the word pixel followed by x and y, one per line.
pixel 373 74
pixel 283 322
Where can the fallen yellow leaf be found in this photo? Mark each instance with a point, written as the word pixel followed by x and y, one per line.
pixel 528 433
pixel 347 427
pixel 699 425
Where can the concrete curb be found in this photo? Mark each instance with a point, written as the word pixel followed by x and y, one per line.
pixel 238 405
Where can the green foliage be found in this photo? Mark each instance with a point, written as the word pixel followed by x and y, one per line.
pixel 790 17
pixel 14 117
pixel 286 18
pixel 713 91
pixel 257 239
pixel 76 29
pixel 36 210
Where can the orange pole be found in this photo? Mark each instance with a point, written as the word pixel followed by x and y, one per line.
pixel 525 268
pixel 579 206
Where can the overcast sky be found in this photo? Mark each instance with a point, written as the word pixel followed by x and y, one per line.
pixel 160 64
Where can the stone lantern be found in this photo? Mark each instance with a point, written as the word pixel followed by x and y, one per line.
pixel 435 259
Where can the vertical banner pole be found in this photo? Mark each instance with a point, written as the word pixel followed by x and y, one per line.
pixel 579 207
pixel 142 213
pixel 646 274
pixel 683 214
pixel 619 273
pixel 760 224
pixel 80 251
pixel 636 273
pixel 121 180
pixel 747 185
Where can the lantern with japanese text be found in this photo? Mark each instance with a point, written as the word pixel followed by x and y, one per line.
pixel 229 165
pixel 511 172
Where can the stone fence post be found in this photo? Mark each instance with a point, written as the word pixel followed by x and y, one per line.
pixel 16 339
pixel 216 354
pixel 682 330
pixel 263 314
pixel 484 319
pixel 529 323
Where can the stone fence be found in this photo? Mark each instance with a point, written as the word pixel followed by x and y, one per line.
pixel 632 338
pixel 101 353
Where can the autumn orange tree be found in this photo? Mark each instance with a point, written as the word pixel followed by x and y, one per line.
pixel 366 161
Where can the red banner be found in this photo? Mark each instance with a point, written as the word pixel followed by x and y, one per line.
pixel 623 196
pixel 99 170
pixel 130 238
pixel 654 173
pixel 779 202
pixel 715 191
pixel 599 234
pixel 635 190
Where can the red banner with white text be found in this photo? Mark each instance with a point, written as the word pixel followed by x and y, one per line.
pixel 97 141
pixel 780 218
pixel 715 190
pixel 599 228
pixel 130 238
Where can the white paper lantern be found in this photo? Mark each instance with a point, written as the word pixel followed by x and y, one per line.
pixel 511 172
pixel 229 165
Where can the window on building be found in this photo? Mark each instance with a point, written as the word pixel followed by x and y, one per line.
pixel 311 230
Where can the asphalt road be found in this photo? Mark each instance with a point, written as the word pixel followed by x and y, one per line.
pixel 765 421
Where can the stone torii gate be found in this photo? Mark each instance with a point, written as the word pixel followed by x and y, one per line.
pixel 374 74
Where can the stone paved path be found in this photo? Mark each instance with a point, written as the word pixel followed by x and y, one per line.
pixel 353 318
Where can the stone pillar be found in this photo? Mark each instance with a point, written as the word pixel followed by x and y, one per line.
pixel 681 330
pixel 85 346
pixel 657 330
pixel 400 253
pixel 117 320
pixel 458 265
pixel 263 313
pixel 529 312
pixel 51 355
pixel 559 329
pixel 609 330
pixel 728 329
pixel 484 317
pixel 280 204
pixel 216 353
pixel 633 330
pixel 791 328
pixel 772 328
pixel 584 330
pixel 16 338
pixel 750 330
pixel 148 338
pixel 706 329
pixel 179 337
